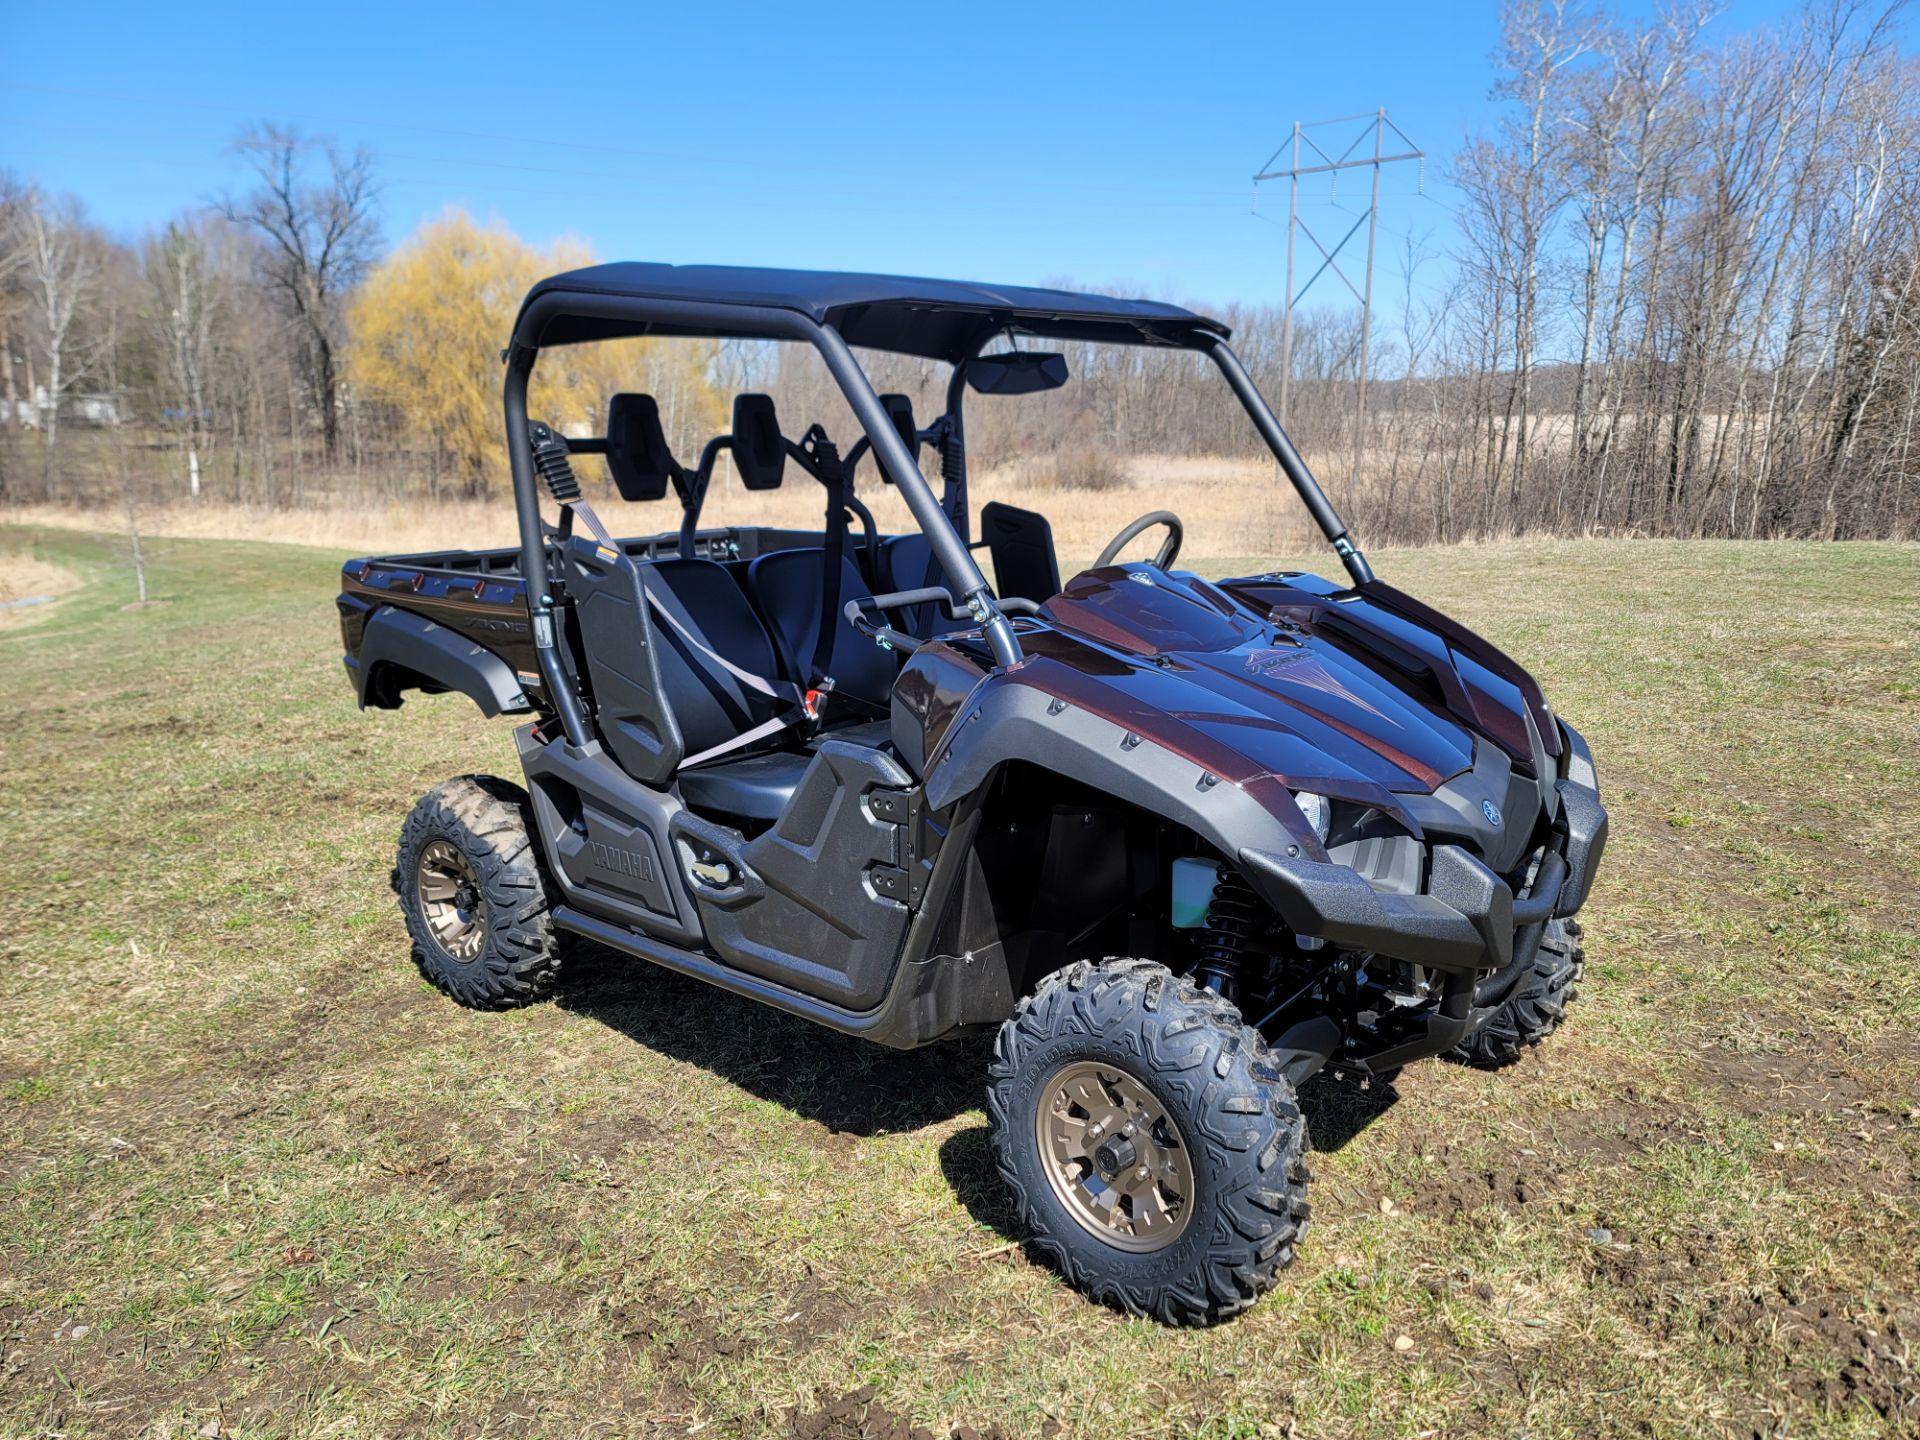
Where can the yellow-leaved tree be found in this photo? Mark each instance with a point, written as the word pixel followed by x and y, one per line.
pixel 425 333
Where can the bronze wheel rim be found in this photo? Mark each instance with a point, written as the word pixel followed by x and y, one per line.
pixel 1115 1158
pixel 450 901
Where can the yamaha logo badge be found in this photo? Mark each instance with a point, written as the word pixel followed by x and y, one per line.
pixel 1492 812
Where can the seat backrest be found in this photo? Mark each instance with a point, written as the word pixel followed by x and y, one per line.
pixel 1021 543
pixel 621 654
pixel 789 586
pixel 907 563
pixel 709 705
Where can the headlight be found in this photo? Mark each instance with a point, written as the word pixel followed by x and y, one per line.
pixel 1319 814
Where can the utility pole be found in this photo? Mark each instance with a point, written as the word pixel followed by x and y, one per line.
pixel 1324 162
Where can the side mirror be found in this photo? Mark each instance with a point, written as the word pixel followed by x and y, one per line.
pixel 759 451
pixel 900 411
pixel 1020 372
pixel 637 453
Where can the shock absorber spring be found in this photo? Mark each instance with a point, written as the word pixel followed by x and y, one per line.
pixel 1231 916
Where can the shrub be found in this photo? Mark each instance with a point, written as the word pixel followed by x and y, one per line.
pixel 1085 468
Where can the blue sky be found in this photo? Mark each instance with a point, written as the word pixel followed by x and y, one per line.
pixel 1112 143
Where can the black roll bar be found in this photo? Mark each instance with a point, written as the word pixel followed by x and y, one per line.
pixel 533 547
pixel 693 318
pixel 948 548
pixel 1291 465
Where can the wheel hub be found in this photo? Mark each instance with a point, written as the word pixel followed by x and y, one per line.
pixel 451 902
pixel 1113 1156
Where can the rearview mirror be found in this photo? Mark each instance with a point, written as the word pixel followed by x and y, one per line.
pixel 1017 373
pixel 637 453
pixel 759 453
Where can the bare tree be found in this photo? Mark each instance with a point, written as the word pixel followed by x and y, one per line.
pixel 13 256
pixel 189 274
pixel 60 265
pixel 320 237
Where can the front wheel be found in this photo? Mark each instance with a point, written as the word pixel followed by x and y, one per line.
pixel 1537 1005
pixel 470 885
pixel 1153 1150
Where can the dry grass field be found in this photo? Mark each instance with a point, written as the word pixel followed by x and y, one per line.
pixel 256 1179
pixel 1231 507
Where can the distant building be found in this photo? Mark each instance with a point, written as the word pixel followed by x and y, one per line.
pixel 88 409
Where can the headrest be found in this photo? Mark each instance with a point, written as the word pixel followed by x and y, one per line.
pixel 899 410
pixel 759 452
pixel 637 452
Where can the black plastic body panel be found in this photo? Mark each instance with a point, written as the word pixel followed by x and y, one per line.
pixel 1466 918
pixel 1462 921
pixel 605 837
pixel 931 996
pixel 808 903
pixel 399 650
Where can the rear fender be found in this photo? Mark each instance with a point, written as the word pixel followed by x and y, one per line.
pixel 402 651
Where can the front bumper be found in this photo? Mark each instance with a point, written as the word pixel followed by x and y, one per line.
pixel 1465 919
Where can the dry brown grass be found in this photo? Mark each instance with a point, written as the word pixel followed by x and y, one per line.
pixel 27 577
pixel 1086 469
pixel 1230 506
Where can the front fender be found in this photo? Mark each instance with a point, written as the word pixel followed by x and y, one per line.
pixel 1018 722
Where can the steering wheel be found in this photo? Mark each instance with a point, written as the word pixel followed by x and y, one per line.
pixel 1169 548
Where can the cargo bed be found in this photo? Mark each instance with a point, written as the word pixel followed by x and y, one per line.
pixel 480 596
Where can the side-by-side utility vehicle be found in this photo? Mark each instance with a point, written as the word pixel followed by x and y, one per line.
pixel 1306 823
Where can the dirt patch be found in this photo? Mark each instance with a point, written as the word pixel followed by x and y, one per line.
pixel 1832 1352
pixel 1498 1187
pixel 859 1415
pixel 1871 1343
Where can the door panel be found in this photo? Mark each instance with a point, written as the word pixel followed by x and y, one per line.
pixel 808 903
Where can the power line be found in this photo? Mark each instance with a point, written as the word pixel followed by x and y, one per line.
pixel 1321 161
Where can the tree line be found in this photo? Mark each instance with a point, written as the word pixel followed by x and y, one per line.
pixel 1682 298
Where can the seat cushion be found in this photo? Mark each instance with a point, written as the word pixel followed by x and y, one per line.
pixel 789 588
pixel 756 788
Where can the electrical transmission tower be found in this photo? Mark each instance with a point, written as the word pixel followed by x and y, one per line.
pixel 1321 161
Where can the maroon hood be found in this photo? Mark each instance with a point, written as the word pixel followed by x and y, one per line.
pixel 1278 676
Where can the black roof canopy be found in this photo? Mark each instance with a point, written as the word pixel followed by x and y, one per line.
pixel 940 319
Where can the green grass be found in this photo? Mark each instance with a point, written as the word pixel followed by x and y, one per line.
pixel 254 1173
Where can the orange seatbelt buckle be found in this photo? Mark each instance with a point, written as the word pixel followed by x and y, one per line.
pixel 813 702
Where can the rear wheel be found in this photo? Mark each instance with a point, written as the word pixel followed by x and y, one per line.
pixel 470 885
pixel 1154 1151
pixel 1536 1008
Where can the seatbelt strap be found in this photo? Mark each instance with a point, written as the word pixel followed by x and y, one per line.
pixel 834 474
pixel 800 708
pixel 774 689
pixel 740 742
pixel 584 513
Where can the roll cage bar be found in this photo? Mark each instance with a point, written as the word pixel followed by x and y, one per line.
pixel 601 314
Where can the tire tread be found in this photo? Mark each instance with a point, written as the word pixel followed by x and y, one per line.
pixel 490 821
pixel 1249 1132
pixel 1537 1006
